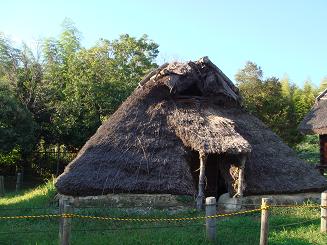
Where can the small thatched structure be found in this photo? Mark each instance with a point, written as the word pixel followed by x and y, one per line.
pixel 315 122
pixel 183 125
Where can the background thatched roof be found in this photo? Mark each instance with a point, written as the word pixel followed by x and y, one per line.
pixel 315 122
pixel 144 145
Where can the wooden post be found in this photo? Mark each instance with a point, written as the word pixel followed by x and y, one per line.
pixel 323 224
pixel 18 181
pixel 240 187
pixel 62 203
pixel 211 222
pixel 200 197
pixel 64 238
pixel 264 222
pixel 2 186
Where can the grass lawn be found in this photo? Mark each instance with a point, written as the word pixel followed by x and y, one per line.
pixel 232 230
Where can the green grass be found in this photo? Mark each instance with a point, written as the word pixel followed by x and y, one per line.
pixel 308 149
pixel 232 230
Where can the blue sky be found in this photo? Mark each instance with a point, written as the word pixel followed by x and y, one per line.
pixel 280 36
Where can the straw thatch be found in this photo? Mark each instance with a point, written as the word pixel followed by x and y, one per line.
pixel 315 122
pixel 152 142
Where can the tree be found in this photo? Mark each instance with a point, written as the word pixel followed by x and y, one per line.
pixel 304 99
pixel 249 79
pixel 87 85
pixel 17 126
pixel 250 73
pixel 270 100
pixel 286 87
pixel 22 71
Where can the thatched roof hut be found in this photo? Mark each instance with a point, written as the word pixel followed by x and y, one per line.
pixel 315 122
pixel 181 117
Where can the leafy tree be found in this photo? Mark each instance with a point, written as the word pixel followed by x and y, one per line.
pixel 87 85
pixel 249 79
pixel 17 126
pixel 250 73
pixel 304 99
pixel 271 100
pixel 22 71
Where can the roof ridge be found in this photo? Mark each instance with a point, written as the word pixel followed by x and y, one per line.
pixel 322 94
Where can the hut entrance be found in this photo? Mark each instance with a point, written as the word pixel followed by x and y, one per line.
pixel 216 183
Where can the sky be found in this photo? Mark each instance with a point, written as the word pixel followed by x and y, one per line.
pixel 284 37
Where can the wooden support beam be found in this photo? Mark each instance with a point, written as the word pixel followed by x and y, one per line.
pixel 241 182
pixel 200 197
pixel 241 176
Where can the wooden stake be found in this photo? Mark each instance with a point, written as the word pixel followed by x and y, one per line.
pixel 210 222
pixel 62 202
pixel 2 186
pixel 323 225
pixel 66 226
pixel 264 222
pixel 241 177
pixel 18 181
pixel 200 197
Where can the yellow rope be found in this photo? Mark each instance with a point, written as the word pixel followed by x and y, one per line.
pixel 70 215
pixel 163 219
pixel 32 216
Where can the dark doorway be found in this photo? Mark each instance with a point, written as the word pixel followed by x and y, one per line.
pixel 216 180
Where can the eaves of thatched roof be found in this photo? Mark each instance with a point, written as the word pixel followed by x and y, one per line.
pixel 207 132
pixel 315 122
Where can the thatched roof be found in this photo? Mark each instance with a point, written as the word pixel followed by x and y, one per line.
pixel 177 109
pixel 315 122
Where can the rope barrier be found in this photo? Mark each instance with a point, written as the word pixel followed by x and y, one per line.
pixel 160 219
pixel 33 216
pixel 70 215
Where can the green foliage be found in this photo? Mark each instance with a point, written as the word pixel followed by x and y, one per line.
pixel 10 158
pixel 304 99
pixel 308 149
pixel 16 123
pixel 89 84
pixel 61 93
pixel 278 103
pixel 72 88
